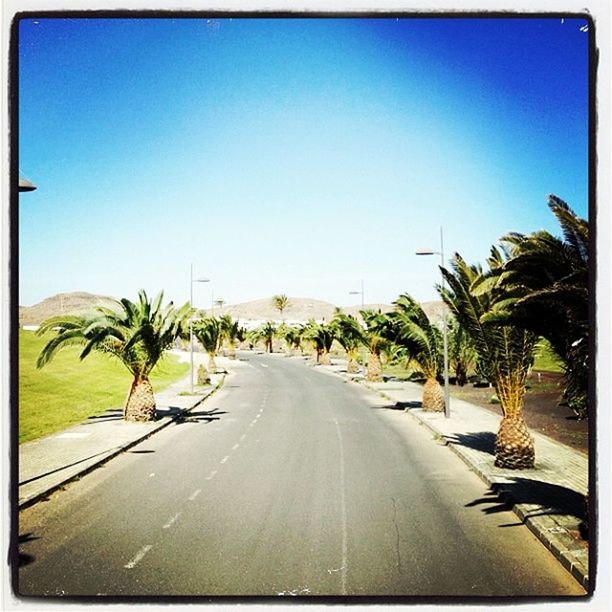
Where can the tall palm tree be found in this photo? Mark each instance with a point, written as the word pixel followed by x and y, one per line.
pixel 280 303
pixel 289 334
pixel 137 334
pixel 229 333
pixel 349 334
pixel 420 341
pixel 505 352
pixel 376 333
pixel 208 331
pixel 265 333
pixel 548 279
pixel 322 336
pixel 462 355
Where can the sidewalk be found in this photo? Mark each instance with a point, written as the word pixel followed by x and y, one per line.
pixel 549 498
pixel 48 463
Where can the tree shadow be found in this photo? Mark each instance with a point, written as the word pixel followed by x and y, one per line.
pixel 64 467
pixel 550 499
pixel 404 406
pixel 482 441
pixel 199 417
pixel 409 405
pixel 25 558
pixel 109 415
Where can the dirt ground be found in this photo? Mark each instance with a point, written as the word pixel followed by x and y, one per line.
pixel 542 409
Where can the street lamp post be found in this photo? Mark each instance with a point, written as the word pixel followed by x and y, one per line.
pixel 444 323
pixel 362 307
pixel 192 281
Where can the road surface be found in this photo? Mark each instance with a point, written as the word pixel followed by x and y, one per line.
pixel 287 481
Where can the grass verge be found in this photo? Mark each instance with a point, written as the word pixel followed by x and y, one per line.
pixel 67 390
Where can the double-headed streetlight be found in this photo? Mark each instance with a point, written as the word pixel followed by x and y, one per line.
pixel 362 307
pixel 444 324
pixel 192 281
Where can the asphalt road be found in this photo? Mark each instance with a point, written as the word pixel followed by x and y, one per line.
pixel 286 482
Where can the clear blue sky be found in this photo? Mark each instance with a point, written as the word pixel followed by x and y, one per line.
pixel 291 156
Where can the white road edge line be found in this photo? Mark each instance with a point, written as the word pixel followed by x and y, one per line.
pixel 344 567
pixel 139 557
pixel 171 521
pixel 194 494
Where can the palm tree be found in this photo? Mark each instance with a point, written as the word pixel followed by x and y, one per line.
pixel 289 334
pixel 462 355
pixel 322 337
pixel 208 331
pixel 265 332
pixel 137 334
pixel 505 352
pixel 349 334
pixel 229 333
pixel 419 340
pixel 280 303
pixel 376 334
pixel 548 278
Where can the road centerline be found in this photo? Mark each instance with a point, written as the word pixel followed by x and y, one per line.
pixel 139 557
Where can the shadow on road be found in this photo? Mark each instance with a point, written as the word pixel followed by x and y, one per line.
pixel 199 417
pixel 482 441
pixel 405 406
pixel 24 558
pixel 550 499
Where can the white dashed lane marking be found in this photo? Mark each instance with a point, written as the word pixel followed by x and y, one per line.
pixel 139 557
pixel 212 474
pixel 171 521
pixel 194 494
pixel 224 459
pixel 235 446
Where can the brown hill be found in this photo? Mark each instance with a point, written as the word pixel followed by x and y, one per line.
pixel 299 309
pixel 73 303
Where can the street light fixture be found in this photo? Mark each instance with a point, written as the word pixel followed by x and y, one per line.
pixel 192 281
pixel 25 185
pixel 444 323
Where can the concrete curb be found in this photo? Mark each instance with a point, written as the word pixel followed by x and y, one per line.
pixel 575 560
pixel 104 457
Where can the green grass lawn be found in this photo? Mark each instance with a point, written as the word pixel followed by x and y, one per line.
pixel 545 359
pixel 67 390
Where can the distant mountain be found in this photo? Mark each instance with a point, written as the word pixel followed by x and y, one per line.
pixel 73 303
pixel 298 310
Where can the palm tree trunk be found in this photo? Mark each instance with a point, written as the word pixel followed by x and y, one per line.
pixel 514 448
pixel 374 372
pixel 433 396
pixel 212 366
pixel 140 405
pixel 231 351
pixel 325 358
pixel 203 376
pixel 352 366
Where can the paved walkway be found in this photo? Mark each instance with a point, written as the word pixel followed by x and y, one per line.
pixel 549 498
pixel 48 463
